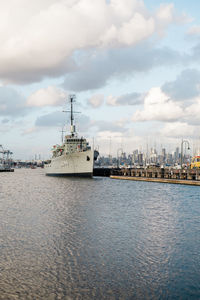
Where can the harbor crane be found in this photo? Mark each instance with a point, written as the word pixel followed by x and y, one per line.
pixel 5 157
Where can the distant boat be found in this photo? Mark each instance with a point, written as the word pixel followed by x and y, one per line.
pixel 74 157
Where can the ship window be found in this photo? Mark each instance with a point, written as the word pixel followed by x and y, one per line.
pixel 88 158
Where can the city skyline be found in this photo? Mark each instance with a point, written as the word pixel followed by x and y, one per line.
pixel 152 155
pixel 133 65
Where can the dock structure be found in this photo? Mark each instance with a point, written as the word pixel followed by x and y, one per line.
pixel 5 160
pixel 103 172
pixel 156 174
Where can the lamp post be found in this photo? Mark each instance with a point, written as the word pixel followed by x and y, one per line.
pixel 120 149
pixel 186 142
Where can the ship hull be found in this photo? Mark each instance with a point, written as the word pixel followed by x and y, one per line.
pixel 75 164
pixel 88 175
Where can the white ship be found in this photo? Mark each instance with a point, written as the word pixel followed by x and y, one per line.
pixel 74 157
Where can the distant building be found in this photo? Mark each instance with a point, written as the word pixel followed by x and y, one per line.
pixel 140 159
pixel 163 156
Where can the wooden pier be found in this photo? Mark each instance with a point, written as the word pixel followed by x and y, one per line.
pixel 156 174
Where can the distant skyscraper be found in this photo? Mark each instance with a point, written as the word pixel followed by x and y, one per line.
pixel 177 155
pixel 140 159
pixel 163 155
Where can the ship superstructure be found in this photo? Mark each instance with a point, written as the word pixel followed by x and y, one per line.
pixel 74 156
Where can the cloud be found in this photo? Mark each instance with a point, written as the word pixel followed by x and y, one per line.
pixel 30 130
pixel 192 112
pixel 108 134
pixel 186 85
pixel 194 30
pixel 51 119
pixel 126 99
pixel 12 103
pixel 178 130
pixel 176 100
pixel 158 107
pixel 195 55
pixel 106 125
pixel 41 39
pixel 4 121
pixel 143 28
pixel 96 70
pixel 165 15
pixel 84 125
pixel 5 128
pixel 96 100
pixel 50 96
pixel 59 119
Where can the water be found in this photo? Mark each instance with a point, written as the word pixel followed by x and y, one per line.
pixel 65 238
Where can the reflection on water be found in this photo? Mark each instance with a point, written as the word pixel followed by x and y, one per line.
pixel 65 238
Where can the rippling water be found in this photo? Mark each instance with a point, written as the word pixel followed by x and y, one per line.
pixel 65 238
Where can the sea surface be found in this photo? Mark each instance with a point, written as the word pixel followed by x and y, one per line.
pixel 100 238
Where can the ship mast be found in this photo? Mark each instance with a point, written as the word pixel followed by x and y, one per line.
pixel 73 129
pixel 72 112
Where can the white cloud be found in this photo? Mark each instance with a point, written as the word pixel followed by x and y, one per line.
pixel 38 39
pixel 96 100
pixel 165 13
pixel 30 130
pixel 126 99
pixel 195 30
pixel 192 112
pixel 108 125
pixel 139 25
pixel 164 16
pixel 178 130
pixel 158 107
pixel 111 100
pixel 50 96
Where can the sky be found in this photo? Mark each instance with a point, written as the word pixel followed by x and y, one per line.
pixel 133 65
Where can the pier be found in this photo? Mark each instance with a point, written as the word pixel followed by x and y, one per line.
pixel 103 172
pixel 156 174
